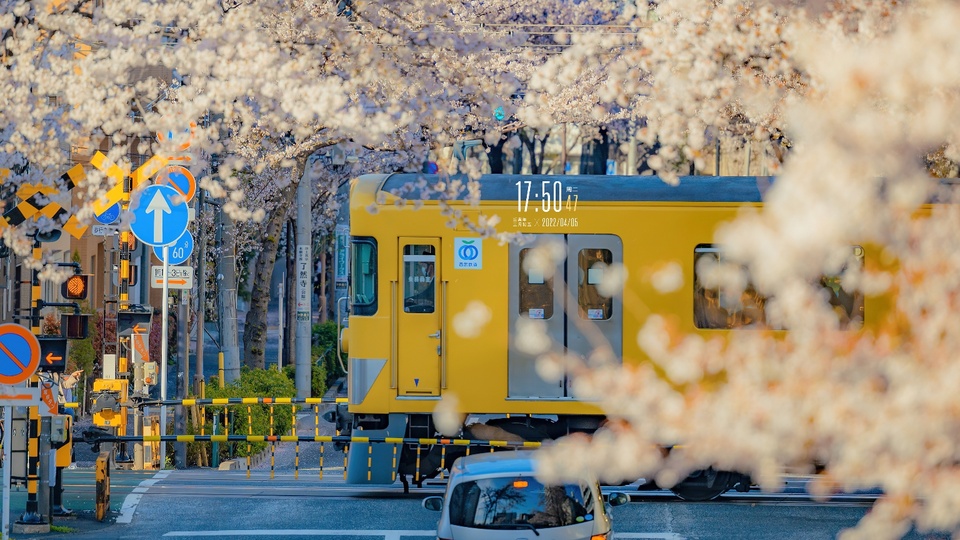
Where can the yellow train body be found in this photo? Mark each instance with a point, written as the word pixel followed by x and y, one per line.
pixel 403 362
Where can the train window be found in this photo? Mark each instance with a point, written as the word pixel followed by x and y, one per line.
pixel 712 309
pixel 418 278
pixel 848 305
pixel 363 276
pixel 536 292
pixel 592 305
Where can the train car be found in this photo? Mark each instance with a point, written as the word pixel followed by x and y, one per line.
pixel 413 269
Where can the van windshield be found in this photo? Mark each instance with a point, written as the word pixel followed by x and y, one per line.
pixel 519 501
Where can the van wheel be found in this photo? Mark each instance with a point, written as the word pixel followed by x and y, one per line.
pixel 702 486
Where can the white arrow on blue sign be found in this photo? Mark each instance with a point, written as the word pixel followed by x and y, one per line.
pixel 160 216
pixel 179 252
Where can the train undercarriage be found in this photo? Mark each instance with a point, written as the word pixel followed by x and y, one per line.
pixel 383 463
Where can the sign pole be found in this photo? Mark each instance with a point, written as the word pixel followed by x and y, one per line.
pixel 164 332
pixel 8 419
pixel 281 314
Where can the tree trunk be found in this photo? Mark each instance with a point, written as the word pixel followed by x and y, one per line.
pixel 255 329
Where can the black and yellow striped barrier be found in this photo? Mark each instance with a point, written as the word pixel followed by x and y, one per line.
pixel 98 437
pixel 244 401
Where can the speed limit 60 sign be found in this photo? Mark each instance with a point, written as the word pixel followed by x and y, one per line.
pixel 177 253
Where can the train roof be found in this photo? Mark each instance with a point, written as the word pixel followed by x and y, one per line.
pixel 593 188
pixel 599 188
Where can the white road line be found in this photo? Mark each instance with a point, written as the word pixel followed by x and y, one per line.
pixel 133 499
pixel 650 536
pixel 386 535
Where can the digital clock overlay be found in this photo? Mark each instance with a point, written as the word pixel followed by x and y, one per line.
pixel 549 196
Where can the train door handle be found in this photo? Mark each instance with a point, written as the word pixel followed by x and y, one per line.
pixel 435 335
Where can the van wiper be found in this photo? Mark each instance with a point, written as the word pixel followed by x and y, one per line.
pixel 517 525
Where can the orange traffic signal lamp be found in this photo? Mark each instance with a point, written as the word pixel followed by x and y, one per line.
pixel 75 287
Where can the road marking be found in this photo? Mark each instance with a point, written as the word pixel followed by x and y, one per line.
pixel 386 535
pixel 133 499
pixel 651 536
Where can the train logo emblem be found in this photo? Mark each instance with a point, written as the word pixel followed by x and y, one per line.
pixel 468 254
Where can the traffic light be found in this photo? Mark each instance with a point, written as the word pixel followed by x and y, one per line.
pixel 75 287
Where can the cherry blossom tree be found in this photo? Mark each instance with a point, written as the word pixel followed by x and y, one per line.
pixel 858 90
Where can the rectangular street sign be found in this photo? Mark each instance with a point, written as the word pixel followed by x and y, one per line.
pixel 178 277
pixel 18 396
pixel 103 230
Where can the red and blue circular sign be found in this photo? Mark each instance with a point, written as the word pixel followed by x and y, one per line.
pixel 19 354
pixel 180 179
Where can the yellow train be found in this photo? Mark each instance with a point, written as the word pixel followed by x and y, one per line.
pixel 413 270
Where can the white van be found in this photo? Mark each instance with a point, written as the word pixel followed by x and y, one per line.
pixel 495 496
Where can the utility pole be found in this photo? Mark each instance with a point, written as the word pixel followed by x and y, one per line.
pixel 304 269
pixel 201 285
pixel 228 300
pixel 183 363
pixel 280 328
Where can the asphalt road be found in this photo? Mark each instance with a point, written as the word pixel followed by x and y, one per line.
pixel 227 504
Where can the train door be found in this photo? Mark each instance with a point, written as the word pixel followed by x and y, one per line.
pixel 418 318
pixel 594 321
pixel 534 296
pixel 577 318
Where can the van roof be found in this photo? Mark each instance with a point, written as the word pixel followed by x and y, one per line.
pixel 517 461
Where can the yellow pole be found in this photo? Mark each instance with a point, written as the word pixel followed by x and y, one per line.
pixel 272 446
pixel 249 428
pixel 220 367
pixel 293 432
pixel 32 511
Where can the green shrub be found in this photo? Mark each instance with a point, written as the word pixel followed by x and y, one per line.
pixel 252 383
pixel 325 347
pixel 318 376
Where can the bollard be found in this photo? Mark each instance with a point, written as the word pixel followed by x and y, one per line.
pixel 216 446
pixel 103 486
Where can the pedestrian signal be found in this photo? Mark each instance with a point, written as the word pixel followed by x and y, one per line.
pixel 75 287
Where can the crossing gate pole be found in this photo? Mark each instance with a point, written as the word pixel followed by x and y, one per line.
pixel 103 485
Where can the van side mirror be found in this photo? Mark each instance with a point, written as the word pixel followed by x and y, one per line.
pixel 434 503
pixel 617 498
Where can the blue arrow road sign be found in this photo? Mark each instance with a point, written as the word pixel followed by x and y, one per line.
pixel 159 216
pixel 178 252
